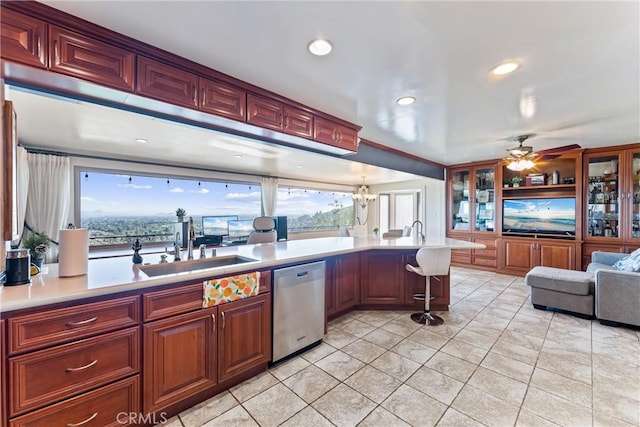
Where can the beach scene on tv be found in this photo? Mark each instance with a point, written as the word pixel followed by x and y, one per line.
pixel 554 216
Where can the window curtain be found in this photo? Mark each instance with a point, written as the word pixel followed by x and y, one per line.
pixel 269 195
pixel 22 168
pixel 49 197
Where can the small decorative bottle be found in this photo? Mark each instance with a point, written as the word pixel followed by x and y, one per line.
pixel 137 258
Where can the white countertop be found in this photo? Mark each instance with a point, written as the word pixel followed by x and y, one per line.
pixel 119 274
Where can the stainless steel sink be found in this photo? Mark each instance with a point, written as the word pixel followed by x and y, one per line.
pixel 192 265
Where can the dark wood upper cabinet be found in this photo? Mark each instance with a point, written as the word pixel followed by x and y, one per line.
pixel 80 56
pixel 298 122
pixel 222 100
pixel 24 39
pixel 264 112
pixel 166 83
pixel 332 133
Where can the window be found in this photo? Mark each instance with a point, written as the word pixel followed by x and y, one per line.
pixel 314 210
pixel 117 208
pixel 397 210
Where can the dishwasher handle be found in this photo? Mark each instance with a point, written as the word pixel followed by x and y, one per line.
pixel 302 274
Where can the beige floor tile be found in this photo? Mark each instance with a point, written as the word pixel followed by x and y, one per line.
pixel 616 406
pixel 527 419
pixel 464 351
pixel 414 351
pixel 453 418
pixel 380 417
pixel 600 332
pixel 564 367
pixel 435 384
pixel 414 407
pixel 383 338
pixel 172 422
pixel 445 330
pixel 237 417
pixel 340 365
pixel 395 365
pixel 340 322
pixel 357 328
pixel 622 352
pixel 425 337
pixel 531 326
pixel 310 383
pixel 344 406
pixel 498 385
pixel 249 388
pixel 401 326
pixel 624 381
pixel 285 369
pixel 308 417
pixel 318 352
pixel 524 340
pixel 373 383
pixel 451 366
pixel 274 406
pixel 564 387
pixel 503 365
pixel 515 351
pixel 576 351
pixel 484 407
pixel 208 410
pixel 491 313
pixel 604 420
pixel 492 327
pixel 455 319
pixel 364 351
pixel 338 338
pixel 377 318
pixel 474 338
pixel 556 409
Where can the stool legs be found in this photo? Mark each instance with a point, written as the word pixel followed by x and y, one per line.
pixel 427 318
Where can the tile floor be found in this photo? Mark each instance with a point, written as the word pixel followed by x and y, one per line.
pixel 496 361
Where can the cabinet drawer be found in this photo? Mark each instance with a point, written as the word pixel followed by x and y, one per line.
pixel 487 262
pixel 33 331
pixel 106 406
pixel 489 243
pixel 489 252
pixel 166 83
pixel 24 39
pixel 169 302
pixel 461 257
pixel 47 376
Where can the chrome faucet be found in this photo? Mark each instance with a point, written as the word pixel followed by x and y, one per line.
pixel 176 247
pixel 420 235
pixel 192 237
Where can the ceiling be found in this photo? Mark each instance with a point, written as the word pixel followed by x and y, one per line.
pixel 580 67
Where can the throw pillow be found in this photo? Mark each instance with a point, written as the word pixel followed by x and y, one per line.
pixel 629 263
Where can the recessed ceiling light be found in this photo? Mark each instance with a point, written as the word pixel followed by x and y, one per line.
pixel 405 100
pixel 299 166
pixel 320 47
pixel 238 156
pixel 505 68
pixel 141 140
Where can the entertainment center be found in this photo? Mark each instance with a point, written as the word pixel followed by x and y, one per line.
pixel 554 214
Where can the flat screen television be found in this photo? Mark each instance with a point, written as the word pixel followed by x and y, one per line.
pixel 539 216
pixel 217 225
pixel 240 229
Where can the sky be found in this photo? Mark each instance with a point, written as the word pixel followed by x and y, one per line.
pixel 117 194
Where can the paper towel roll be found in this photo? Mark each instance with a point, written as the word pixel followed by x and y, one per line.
pixel 74 252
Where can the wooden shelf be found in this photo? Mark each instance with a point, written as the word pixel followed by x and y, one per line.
pixel 540 187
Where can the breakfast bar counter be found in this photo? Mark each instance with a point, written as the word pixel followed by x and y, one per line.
pixel 118 274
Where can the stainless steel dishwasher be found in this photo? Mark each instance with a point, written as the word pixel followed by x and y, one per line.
pixel 298 308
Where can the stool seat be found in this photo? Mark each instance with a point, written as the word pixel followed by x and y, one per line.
pixel 431 262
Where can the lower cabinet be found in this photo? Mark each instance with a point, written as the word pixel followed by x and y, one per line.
pixel 384 275
pixel 521 255
pixel 415 284
pixel 190 353
pixel 342 281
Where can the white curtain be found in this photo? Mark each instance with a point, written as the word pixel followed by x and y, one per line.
pixel 49 197
pixel 22 169
pixel 269 195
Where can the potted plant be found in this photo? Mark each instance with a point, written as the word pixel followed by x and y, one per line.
pixel 180 213
pixel 38 245
pixel 506 183
pixel 516 180
pixel 375 231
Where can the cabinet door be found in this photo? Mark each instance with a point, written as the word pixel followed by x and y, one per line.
pixel 603 194
pixel 180 358
pixel 347 283
pixel 264 112
pixel 557 254
pixel 440 291
pixel 244 335
pixel 518 255
pixel 24 39
pixel 330 286
pixel 483 199
pixel 385 272
pixel 298 122
pixel 222 100
pixel 632 180
pixel 460 201
pixel 347 138
pixel 166 83
pixel 325 131
pixel 414 283
pixel 79 56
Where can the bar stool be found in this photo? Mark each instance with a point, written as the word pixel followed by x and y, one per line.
pixel 431 262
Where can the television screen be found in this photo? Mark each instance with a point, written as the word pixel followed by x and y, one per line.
pixel 240 229
pixel 217 225
pixel 543 216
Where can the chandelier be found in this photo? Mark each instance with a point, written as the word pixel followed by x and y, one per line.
pixel 362 196
pixel 520 157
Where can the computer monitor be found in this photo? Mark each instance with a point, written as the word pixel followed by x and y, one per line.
pixel 240 229
pixel 217 225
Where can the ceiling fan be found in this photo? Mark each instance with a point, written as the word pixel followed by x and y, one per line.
pixel 523 157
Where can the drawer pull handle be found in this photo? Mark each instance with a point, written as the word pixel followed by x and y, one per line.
pixel 224 319
pixel 213 317
pixel 95 414
pixel 82 322
pixel 81 368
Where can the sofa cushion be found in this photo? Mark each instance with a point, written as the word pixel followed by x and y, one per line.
pixel 560 280
pixel 629 263
pixel 591 268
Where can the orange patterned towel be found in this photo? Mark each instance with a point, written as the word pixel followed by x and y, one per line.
pixel 227 289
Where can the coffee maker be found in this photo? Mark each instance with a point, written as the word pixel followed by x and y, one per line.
pixel 18 266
